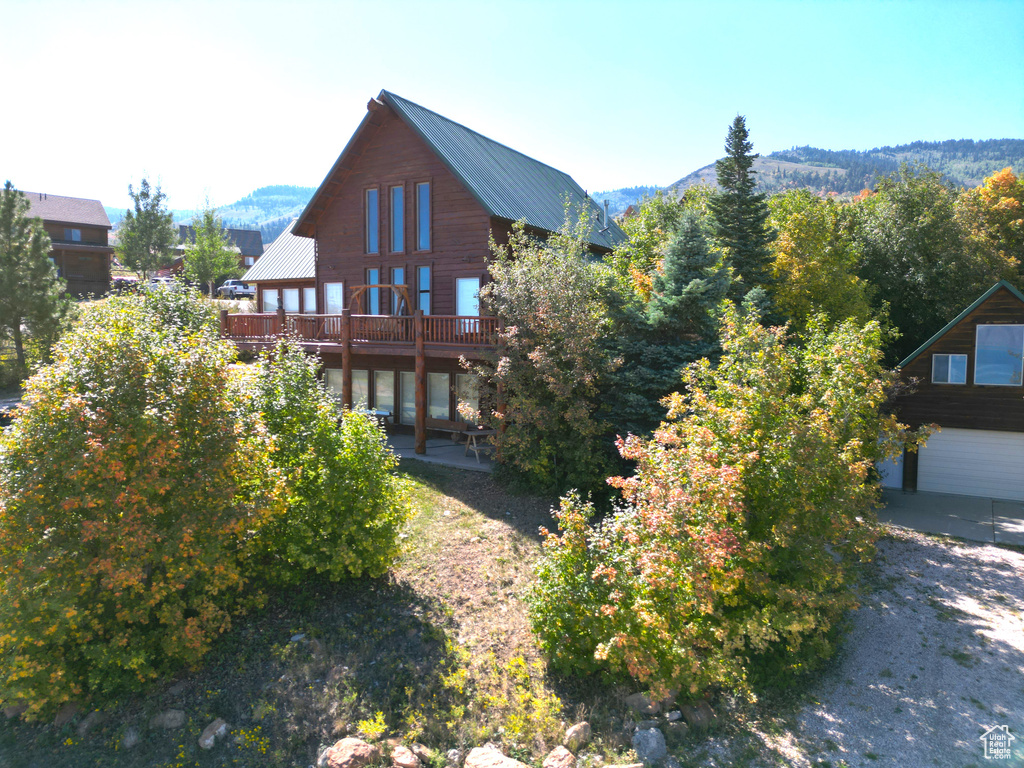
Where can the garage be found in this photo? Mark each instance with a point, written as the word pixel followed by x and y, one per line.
pixel 973 462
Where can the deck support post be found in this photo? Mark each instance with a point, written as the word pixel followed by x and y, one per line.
pixel 223 323
pixel 346 358
pixel 420 441
pixel 280 321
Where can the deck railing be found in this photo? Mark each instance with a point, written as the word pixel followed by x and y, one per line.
pixel 375 329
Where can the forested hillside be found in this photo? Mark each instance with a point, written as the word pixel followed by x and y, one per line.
pixel 962 162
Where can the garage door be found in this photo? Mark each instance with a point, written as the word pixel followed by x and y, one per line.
pixel 973 462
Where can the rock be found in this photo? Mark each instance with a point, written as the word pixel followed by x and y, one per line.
pixel 642 703
pixel 177 689
pixel 674 732
pixel 15 710
pixel 349 753
pixel 627 765
pixel 168 719
pixel 699 716
pixel 560 757
pixel 65 714
pixel 215 731
pixel 646 725
pixel 453 756
pixel 421 752
pixel 90 721
pixel 298 637
pixel 403 757
pixel 649 745
pixel 674 715
pixel 577 736
pixel 131 738
pixel 489 757
pixel 670 699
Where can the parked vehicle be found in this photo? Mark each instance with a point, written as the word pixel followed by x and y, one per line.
pixel 234 289
pixel 160 282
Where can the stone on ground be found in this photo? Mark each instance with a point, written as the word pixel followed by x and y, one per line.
pixel 349 753
pixel 699 716
pixel 642 703
pixel 489 757
pixel 131 738
pixel 216 730
pixel 168 719
pixel 649 745
pixel 403 757
pixel 90 721
pixel 577 736
pixel 560 757
pixel 65 714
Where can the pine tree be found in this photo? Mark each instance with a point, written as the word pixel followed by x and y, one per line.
pixel 146 237
pixel 210 256
pixel 740 215
pixel 32 291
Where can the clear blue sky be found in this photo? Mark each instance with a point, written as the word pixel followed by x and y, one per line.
pixel 216 99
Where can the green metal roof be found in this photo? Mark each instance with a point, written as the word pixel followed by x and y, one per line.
pixel 948 326
pixel 287 258
pixel 507 184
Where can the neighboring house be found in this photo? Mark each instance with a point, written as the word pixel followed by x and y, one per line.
pixel 970 382
pixel 401 226
pixel 248 243
pixel 78 229
pixel 285 275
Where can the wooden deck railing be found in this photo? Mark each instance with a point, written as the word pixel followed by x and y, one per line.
pixel 375 329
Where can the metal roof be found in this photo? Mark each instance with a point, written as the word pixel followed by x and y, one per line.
pixel 948 326
pixel 67 210
pixel 289 257
pixel 248 241
pixel 507 184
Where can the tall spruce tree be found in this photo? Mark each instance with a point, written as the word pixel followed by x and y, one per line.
pixel 741 215
pixel 32 292
pixel 210 256
pixel 676 327
pixel 146 237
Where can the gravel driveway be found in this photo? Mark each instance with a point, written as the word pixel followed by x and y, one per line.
pixel 934 660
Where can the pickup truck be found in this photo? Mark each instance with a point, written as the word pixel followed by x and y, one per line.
pixel 234 289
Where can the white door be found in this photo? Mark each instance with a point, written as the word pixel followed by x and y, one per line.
pixel 973 462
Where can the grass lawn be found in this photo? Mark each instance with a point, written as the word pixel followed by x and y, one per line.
pixel 439 651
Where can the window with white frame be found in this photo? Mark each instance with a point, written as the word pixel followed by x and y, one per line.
pixel 360 388
pixel 309 300
pixel 290 300
pixel 384 391
pixel 250 260
pixel 949 369
pixel 407 380
pixel 467 396
pixel 999 355
pixel 334 379
pixel 438 396
pixel 334 296
pixel 270 300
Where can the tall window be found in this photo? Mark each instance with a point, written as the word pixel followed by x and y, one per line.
pixel 360 388
pixel 467 394
pixel 384 391
pixel 373 294
pixel 999 358
pixel 397 219
pixel 438 396
pixel 423 217
pixel 408 413
pixel 423 288
pixel 397 278
pixel 334 378
pixel 334 297
pixel 309 300
pixel 372 222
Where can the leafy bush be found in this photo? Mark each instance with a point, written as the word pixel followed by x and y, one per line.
pixel 344 505
pixel 737 548
pixel 125 488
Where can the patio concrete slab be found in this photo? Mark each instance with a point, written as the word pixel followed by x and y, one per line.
pixel 441 451
pixel 968 517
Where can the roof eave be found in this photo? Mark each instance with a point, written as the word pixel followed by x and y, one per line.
pixel 949 326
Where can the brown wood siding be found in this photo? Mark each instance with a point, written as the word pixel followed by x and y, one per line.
pixel 965 406
pixel 280 284
pixel 396 156
pixel 90 235
pixel 86 272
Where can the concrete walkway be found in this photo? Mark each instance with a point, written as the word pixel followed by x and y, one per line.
pixel 444 451
pixel 969 517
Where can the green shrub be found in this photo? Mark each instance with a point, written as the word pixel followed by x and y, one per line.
pixel 345 505
pixel 738 545
pixel 125 489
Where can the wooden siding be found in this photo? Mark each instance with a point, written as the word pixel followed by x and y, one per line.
pixel 965 406
pixel 86 272
pixel 281 284
pixel 395 156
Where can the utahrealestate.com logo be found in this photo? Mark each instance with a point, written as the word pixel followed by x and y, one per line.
pixel 997 742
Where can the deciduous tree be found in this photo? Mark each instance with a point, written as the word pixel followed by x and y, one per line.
pixel 210 256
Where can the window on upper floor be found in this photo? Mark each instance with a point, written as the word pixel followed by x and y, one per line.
pixel 949 369
pixel 73 235
pixel 999 355
pixel 423 216
pixel 250 260
pixel 373 294
pixel 423 289
pixel 397 299
pixel 397 219
pixel 372 221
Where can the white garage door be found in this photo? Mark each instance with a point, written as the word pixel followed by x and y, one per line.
pixel 973 462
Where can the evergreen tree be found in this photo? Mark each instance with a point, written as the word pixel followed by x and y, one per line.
pixel 146 237
pixel 210 256
pixel 740 215
pixel 32 291
pixel 676 327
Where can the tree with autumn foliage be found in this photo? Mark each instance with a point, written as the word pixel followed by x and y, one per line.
pixel 127 488
pixel 993 215
pixel 736 549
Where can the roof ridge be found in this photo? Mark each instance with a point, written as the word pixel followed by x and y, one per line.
pixel 65 197
pixel 476 133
